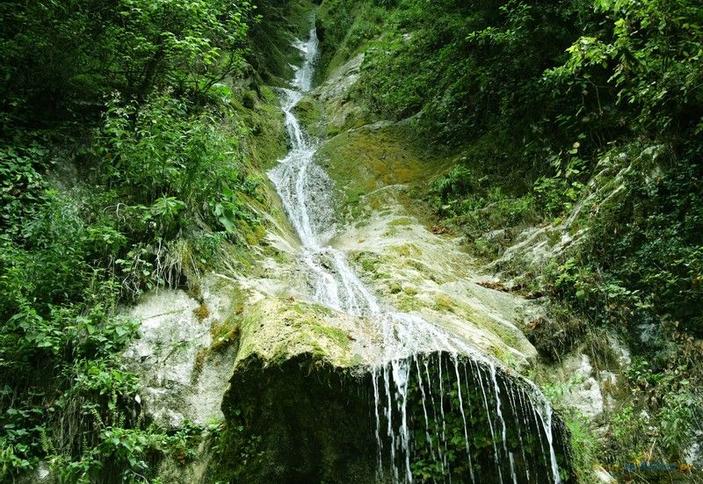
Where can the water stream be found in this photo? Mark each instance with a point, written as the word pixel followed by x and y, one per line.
pixel 413 350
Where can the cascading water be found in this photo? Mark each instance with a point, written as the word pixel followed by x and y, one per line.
pixel 415 355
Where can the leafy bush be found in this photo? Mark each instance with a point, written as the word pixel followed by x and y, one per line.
pixel 128 455
pixel 21 183
pixel 179 166
pixel 662 419
pixel 343 27
pixel 122 167
pixel 164 182
pixel 136 46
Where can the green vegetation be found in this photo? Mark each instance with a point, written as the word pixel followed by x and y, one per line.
pixel 133 139
pixel 308 416
pixel 131 136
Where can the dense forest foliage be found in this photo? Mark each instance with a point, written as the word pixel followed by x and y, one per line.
pixel 125 147
pixel 581 112
pixel 124 160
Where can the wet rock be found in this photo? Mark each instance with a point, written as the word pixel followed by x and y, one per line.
pixel 694 454
pixel 180 379
pixel 340 113
pixel 603 476
pixel 438 282
pixel 584 393
pixel 42 474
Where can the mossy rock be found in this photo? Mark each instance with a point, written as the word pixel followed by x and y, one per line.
pixel 276 330
pixel 311 117
pixel 369 164
pixel 297 420
pixel 304 420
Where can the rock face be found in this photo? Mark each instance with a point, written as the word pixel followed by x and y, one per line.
pixel 181 379
pixel 315 394
pixel 299 420
pixel 423 273
pixel 340 112
pixel 304 420
pixel 585 394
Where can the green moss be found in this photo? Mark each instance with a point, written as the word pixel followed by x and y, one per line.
pixel 444 303
pixel 309 113
pixel 276 330
pixel 201 312
pixel 407 303
pixel 224 334
pixel 401 221
pixel 407 250
pixel 585 447
pixel 266 141
pixel 338 336
pixel 297 420
pixel 365 160
pixel 369 263
pixel 346 28
pixel 254 235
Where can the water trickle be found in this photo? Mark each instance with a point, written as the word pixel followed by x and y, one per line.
pixel 513 406
pixel 379 442
pixel 463 416
pixel 499 412
pixel 440 454
pixel 445 463
pixel 490 424
pixel 428 439
pixel 306 193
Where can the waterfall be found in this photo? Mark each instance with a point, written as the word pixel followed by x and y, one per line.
pixel 411 345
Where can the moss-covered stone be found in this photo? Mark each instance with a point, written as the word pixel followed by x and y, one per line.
pixel 297 420
pixel 369 164
pixel 418 271
pixel 311 116
pixel 275 330
pixel 303 420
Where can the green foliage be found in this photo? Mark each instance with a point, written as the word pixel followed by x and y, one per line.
pixel 21 183
pixel 585 447
pixel 344 27
pixel 445 62
pixel 662 418
pixel 640 257
pixel 136 46
pixel 124 165
pixel 643 57
pixel 69 257
pixel 174 166
pixel 483 203
pixel 128 455
pixel 61 281
pixel 45 420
